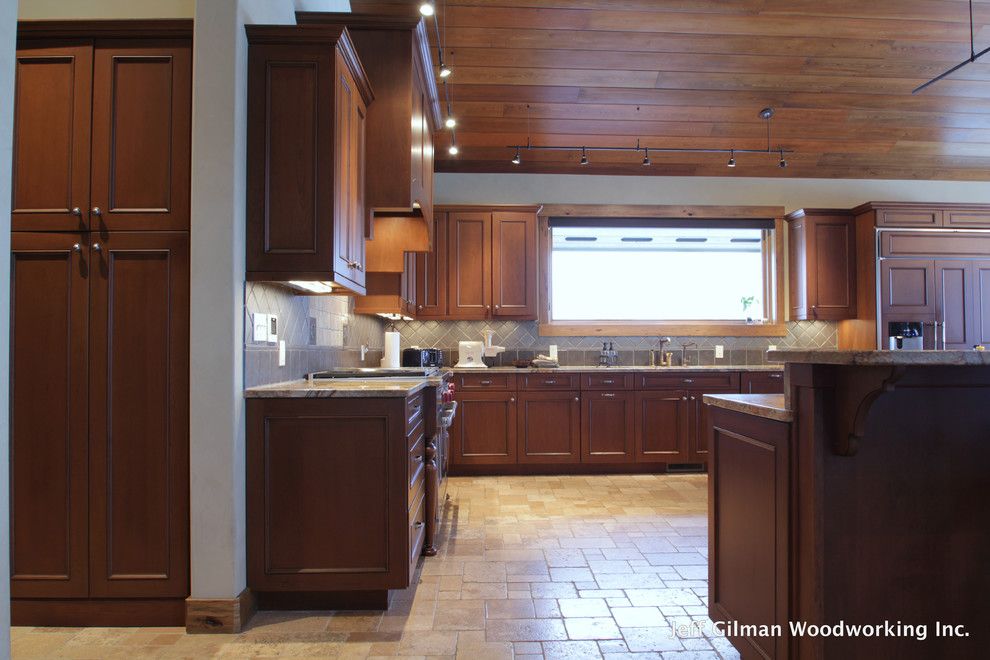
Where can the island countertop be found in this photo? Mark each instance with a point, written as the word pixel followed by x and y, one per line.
pixel 883 358
pixel 350 388
pixel 770 406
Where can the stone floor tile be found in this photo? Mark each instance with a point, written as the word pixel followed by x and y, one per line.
pixel 583 607
pixel 525 630
pixel 571 650
pixel 510 609
pixel 592 628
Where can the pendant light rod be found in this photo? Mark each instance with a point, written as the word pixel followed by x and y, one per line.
pixel 973 56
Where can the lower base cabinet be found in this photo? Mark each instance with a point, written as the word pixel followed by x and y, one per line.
pixel 549 427
pixel 661 427
pixel 484 429
pixel 607 427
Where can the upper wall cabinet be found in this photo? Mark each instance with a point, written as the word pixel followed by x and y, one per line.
pixel 926 216
pixel 392 43
pixel 101 134
pixel 307 117
pixel 822 265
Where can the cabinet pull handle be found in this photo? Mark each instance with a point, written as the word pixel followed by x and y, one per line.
pixel 76 211
pixel 419 307
pixel 608 382
pixel 418 458
pixel 496 306
pixel 418 525
pixel 693 398
pixel 486 382
pixel 97 211
pixel 688 380
pixel 775 376
pixel 549 382
pixel 609 395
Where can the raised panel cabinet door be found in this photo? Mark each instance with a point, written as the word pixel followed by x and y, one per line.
pixel 907 286
pixel 139 414
pixel 48 415
pixel 798 264
pixel 408 283
pixel 52 105
pixel 514 264
pixel 607 427
pixel 469 291
pixel 289 196
pixel 431 274
pixel 142 110
pixel 909 217
pixel 968 219
pixel 981 302
pixel 484 429
pixel 955 310
pixel 834 287
pixel 549 427
pixel 348 255
pixel 661 427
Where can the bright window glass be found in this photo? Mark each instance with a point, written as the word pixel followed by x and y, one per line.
pixel 643 274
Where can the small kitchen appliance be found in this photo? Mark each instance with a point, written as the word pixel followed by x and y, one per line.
pixel 469 354
pixel 905 336
pixel 422 357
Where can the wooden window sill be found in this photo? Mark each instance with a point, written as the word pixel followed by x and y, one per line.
pixel 675 328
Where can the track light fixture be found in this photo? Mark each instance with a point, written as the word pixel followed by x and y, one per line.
pixel 445 71
pixel 452 149
pixel 450 122
pixel 765 114
pixel 517 159
pixel 427 9
pixel 973 56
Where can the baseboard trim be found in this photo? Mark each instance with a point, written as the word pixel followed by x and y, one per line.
pixel 557 469
pixel 72 612
pixel 220 615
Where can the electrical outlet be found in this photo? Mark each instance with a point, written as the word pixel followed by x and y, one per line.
pixel 719 351
pixel 260 325
pixel 281 353
pixel 773 347
pixel 273 328
pixel 312 331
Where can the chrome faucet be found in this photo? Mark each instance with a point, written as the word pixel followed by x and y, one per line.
pixel 664 360
pixel 684 348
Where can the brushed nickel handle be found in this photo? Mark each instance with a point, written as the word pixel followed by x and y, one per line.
pixel 418 458
pixel 486 382
pixel 688 380
pixel 359 265
pixel 776 376
pixel 97 247
pixel 96 211
pixel 608 382
pixel 549 382
pixel 419 307
pixel 608 395
pixel 684 398
pixel 76 211
pixel 693 398
pixel 512 399
pixel 76 247
pixel 496 306
pixel 577 398
pixel 418 525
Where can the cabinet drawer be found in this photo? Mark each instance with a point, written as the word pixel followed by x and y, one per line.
pixel 486 381
pixel 414 409
pixel 909 217
pixel 417 463
pixel 416 433
pixel 417 532
pixel 607 381
pixel 550 381
pixel 762 382
pixel 972 219
pixel 687 380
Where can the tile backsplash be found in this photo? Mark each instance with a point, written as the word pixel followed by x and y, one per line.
pixel 522 340
pixel 320 332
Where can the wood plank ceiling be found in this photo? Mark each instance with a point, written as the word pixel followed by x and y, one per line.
pixel 695 73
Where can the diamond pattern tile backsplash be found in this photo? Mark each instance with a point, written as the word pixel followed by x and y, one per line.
pixel 320 332
pixel 522 340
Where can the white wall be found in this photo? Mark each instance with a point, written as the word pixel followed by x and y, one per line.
pixel 790 193
pixel 8 29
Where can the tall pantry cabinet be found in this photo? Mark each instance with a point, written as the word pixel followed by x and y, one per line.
pixel 100 323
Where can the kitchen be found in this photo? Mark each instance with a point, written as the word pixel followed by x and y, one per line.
pixel 381 329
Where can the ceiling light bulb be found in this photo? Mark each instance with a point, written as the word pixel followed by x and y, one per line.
pixel 453 150
pixel 732 159
pixel 646 159
pixel 584 157
pixel 451 122
pixel 445 71
pixel 426 9
pixel 517 159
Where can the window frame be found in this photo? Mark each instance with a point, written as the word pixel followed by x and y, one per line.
pixel 773 275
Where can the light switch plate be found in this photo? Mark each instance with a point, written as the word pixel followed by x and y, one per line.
pixel 719 351
pixel 260 325
pixel 281 353
pixel 273 328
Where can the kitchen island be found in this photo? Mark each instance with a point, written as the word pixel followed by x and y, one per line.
pixel 865 508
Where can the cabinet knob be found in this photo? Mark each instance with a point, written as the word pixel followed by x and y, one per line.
pixel 419 307
pixel 512 399
pixel 97 211
pixel 683 398
pixel 97 247
pixel 577 398
pixel 359 266
pixel 693 398
pixel 496 306
pixel 418 458
pixel 76 211
pixel 76 247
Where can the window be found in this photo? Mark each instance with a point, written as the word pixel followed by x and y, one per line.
pixel 661 271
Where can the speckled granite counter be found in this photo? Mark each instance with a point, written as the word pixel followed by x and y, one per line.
pixel 622 369
pixel 884 358
pixel 345 388
pixel 770 406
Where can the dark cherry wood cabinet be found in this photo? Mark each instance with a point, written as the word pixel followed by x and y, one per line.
pixel 102 135
pixel 762 382
pixel 549 427
pixel 981 302
pixel 822 248
pixel 907 287
pixel 607 427
pixel 514 264
pixel 912 215
pixel 431 274
pixel 307 105
pixel 955 303
pixel 469 272
pixel 484 429
pixel 662 426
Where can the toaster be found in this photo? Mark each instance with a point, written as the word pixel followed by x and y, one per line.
pixel 422 357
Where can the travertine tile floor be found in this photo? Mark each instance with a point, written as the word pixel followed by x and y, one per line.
pixel 558 567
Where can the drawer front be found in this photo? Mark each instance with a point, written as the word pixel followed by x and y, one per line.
pixel 550 381
pixel 414 410
pixel 417 463
pixel 416 433
pixel 721 381
pixel 758 382
pixel 495 381
pixel 909 217
pixel 974 219
pixel 417 532
pixel 607 381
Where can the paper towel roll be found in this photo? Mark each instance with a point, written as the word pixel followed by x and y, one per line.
pixel 392 357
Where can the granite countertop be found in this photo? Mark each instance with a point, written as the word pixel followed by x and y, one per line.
pixel 345 388
pixel 572 369
pixel 770 406
pixel 883 358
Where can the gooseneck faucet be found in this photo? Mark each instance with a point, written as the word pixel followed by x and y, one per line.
pixel 662 361
pixel 684 348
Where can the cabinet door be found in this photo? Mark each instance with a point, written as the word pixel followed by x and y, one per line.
pixel 954 296
pixel 834 287
pixel 909 217
pixel 968 219
pixel 141 135
pixel 981 302
pixel 514 265
pixel 470 264
pixel 759 382
pixel 907 286
pixel 48 416
pixel 549 427
pixel 349 113
pixel 697 423
pixel 139 415
pixel 52 106
pixel 484 428
pixel 661 427
pixel 408 283
pixel 607 427
pixel 431 274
